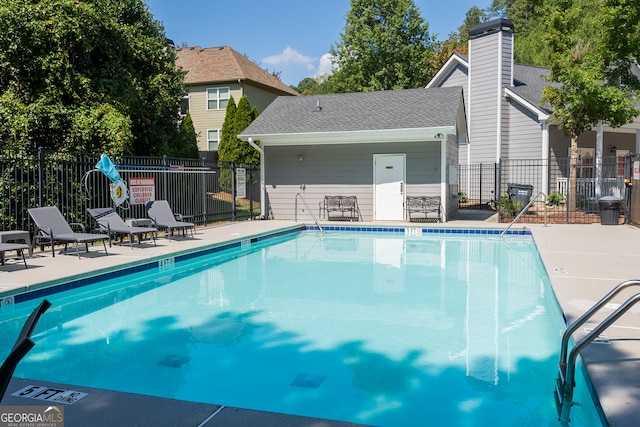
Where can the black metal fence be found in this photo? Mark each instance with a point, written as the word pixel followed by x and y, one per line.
pixel 206 192
pixel 570 193
pixel 478 185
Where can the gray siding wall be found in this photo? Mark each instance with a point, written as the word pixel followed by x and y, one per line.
pixel 459 77
pixel 341 170
pixel 524 139
pixel 490 71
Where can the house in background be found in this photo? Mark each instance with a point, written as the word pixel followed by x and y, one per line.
pixel 377 146
pixel 509 122
pixel 215 74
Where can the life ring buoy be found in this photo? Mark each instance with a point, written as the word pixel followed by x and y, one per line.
pixel 119 192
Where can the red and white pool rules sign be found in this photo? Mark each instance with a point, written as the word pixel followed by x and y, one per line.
pixel 142 190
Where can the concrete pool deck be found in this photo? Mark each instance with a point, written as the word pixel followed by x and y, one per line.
pixel 583 262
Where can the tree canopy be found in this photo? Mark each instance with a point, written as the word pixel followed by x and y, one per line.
pixel 594 83
pixel 87 75
pixel 590 74
pixel 385 45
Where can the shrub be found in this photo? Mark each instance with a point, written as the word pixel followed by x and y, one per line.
pixel 509 207
pixel 555 199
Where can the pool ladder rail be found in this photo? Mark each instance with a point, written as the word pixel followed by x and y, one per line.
pixel 567 365
pixel 301 197
pixel 23 344
pixel 524 210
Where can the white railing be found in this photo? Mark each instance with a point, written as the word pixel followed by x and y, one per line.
pixel 586 187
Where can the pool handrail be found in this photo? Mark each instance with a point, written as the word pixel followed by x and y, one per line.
pixel 299 195
pixel 566 365
pixel 524 210
pixel 21 347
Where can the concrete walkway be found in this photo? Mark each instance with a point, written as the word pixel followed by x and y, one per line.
pixel 583 262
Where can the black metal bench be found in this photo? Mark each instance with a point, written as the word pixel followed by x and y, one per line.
pixel 423 208
pixel 341 208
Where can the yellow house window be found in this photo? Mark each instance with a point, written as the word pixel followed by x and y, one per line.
pixel 213 139
pixel 217 98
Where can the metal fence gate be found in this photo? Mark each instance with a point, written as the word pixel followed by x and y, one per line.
pixel 478 185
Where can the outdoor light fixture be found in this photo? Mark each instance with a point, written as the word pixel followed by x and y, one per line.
pixel 301 157
pixel 613 149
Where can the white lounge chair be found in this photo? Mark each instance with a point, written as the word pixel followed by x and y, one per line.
pixel 164 219
pixel 51 227
pixel 110 222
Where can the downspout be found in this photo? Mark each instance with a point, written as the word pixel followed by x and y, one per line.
pixel 263 194
pixel 499 102
pixel 444 172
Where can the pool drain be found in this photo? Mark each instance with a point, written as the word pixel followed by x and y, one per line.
pixel 308 380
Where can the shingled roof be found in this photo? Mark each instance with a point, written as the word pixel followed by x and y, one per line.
pixel 360 111
pixel 223 64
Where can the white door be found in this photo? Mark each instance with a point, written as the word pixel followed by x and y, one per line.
pixel 388 170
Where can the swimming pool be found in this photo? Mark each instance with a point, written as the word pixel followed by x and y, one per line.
pixel 377 328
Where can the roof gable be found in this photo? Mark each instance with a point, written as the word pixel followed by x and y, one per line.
pixel 454 62
pixel 528 82
pixel 223 64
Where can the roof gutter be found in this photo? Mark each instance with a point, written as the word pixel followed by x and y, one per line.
pixel 352 137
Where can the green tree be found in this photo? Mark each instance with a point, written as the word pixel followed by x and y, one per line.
pixel 243 152
pixel 231 148
pixel 93 75
pixel 447 48
pixel 583 59
pixel 187 141
pixel 308 86
pixel 229 136
pixel 621 36
pixel 529 21
pixel 474 16
pixel 385 45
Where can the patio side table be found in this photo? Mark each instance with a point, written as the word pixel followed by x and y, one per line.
pixel 17 235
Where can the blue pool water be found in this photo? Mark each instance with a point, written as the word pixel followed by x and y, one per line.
pixel 375 328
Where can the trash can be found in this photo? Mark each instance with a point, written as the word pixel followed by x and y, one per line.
pixel 609 210
pixel 520 193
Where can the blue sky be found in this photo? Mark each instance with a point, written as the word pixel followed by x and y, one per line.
pixel 289 36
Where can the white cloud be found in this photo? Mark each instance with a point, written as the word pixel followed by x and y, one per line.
pixel 292 63
pixel 287 57
pixel 325 65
